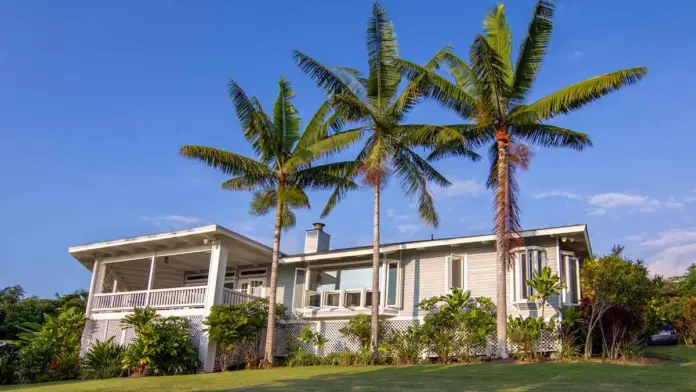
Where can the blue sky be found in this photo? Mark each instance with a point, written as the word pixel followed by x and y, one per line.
pixel 96 99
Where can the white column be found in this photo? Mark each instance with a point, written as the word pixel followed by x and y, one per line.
pixel 96 269
pixel 213 296
pixel 151 279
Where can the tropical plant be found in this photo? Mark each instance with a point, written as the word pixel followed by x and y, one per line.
pixel 683 318
pixel 444 319
pixel 493 92
pixel 405 347
pixel 687 283
pixel 103 360
pixel 359 328
pixel 571 318
pixel 284 170
pixel 524 333
pixel 9 356
pixel 162 345
pixel 49 351
pixel 545 284
pixel 375 103
pixel 477 327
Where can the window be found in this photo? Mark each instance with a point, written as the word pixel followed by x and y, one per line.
pixel 298 293
pixel 570 274
pixel 254 272
pixel 527 262
pixel 392 283
pixel 455 272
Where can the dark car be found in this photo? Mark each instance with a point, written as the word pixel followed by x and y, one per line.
pixel 666 335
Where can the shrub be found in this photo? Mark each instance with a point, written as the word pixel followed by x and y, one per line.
pixel 9 355
pixel 103 360
pixel 234 326
pixel 570 331
pixel 683 318
pixel 525 332
pixel 359 328
pixel 49 352
pixel 477 326
pixel 405 347
pixel 162 345
pixel 346 357
pixel 441 325
pixel 364 356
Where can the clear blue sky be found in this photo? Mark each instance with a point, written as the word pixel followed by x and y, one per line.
pixel 96 99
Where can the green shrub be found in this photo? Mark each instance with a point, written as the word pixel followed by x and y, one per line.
pixel 359 329
pixel 234 326
pixel 103 360
pixel 477 327
pixel 445 317
pixel 364 356
pixel 162 345
pixel 525 332
pixel 9 355
pixel 570 330
pixel 49 351
pixel 346 357
pixel 405 347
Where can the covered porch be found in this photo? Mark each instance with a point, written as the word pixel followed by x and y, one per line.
pixel 171 271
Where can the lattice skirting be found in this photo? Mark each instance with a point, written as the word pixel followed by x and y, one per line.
pixel 104 329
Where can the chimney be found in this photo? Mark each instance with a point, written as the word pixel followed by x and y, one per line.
pixel 316 239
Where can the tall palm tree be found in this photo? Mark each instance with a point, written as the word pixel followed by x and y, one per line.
pixel 284 169
pixel 375 103
pixel 493 92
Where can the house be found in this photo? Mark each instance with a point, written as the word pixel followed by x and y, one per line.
pixel 321 288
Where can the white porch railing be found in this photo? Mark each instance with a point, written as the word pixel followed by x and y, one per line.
pixel 162 298
pixel 332 299
pixel 231 297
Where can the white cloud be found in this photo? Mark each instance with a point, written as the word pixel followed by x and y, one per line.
pixel 605 201
pixel 409 229
pixel 172 220
pixel 576 54
pixel 673 261
pixel 596 211
pixel 613 200
pixel 459 188
pixel 670 238
pixel 556 193
pixel 635 237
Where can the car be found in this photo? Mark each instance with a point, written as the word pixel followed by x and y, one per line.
pixel 666 335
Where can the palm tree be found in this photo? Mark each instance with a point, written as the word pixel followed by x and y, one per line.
pixel 374 103
pixel 284 170
pixel 545 284
pixel 493 92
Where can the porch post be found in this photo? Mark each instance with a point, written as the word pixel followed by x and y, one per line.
pixel 96 270
pixel 151 279
pixel 213 296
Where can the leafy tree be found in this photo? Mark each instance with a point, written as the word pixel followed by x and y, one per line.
pixel 681 313
pixel 233 326
pixel 545 285
pixel 140 354
pixel 375 103
pixel 284 170
pixel 11 295
pixel 687 284
pixel 359 328
pixel 493 92
pixel 617 284
pixel 442 324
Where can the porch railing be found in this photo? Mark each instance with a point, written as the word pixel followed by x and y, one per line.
pixel 331 299
pixel 161 298
pixel 231 297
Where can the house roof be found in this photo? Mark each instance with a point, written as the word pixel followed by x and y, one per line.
pixel 422 244
pixel 86 254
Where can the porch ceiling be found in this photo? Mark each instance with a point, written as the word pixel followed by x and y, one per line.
pixel 242 250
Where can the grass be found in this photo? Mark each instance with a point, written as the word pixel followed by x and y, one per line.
pixel 579 376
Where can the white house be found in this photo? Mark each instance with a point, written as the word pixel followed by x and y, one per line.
pixel 321 287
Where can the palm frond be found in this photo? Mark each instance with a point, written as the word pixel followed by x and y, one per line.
pixel 473 138
pixel 430 173
pixel 505 204
pixel 532 50
pixel 428 135
pixel 285 117
pixel 256 132
pixel 293 196
pixel 490 72
pixel 382 49
pixel 431 85
pixel 332 80
pixel 345 185
pixel 227 162
pixel 327 176
pixel 414 181
pixel 246 183
pixel 576 96
pixel 499 37
pixel 551 136
pixel 263 201
pixel 351 109
pixel 323 148
pixel 463 75
pixel 317 128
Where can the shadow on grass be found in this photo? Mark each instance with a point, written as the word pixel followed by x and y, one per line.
pixel 514 377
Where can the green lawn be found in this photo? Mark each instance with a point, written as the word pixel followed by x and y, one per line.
pixel 587 376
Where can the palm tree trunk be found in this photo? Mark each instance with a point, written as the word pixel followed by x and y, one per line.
pixel 375 273
pixel 270 328
pixel 502 245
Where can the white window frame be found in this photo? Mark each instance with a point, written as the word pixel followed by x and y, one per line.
pixel 568 257
pixel 463 273
pixel 532 264
pixel 399 285
pixel 304 287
